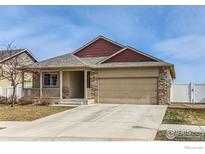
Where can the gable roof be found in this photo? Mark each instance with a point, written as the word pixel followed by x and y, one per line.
pixel 125 49
pixel 98 47
pixel 74 61
pixel 94 40
pixel 8 54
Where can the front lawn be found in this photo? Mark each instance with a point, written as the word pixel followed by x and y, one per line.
pixel 28 112
pixel 184 116
pixel 161 135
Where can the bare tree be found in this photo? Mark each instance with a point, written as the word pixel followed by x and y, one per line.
pixel 10 68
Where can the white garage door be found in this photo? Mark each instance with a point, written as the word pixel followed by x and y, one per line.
pixel 128 90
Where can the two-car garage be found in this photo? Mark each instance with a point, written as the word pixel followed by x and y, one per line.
pixel 128 86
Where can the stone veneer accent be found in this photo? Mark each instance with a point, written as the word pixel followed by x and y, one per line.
pixel 164 86
pixel 94 84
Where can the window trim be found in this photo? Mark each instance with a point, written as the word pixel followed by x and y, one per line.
pixel 51 86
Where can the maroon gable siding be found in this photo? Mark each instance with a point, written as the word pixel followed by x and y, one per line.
pixel 128 56
pixel 98 48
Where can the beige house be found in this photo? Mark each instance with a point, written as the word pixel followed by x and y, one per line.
pixel 103 71
pixel 7 55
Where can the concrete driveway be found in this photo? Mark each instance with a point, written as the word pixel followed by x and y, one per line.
pixel 93 122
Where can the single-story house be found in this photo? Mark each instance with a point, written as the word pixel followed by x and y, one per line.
pixel 104 71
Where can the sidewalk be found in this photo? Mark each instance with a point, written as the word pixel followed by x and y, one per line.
pixel 193 128
pixel 11 124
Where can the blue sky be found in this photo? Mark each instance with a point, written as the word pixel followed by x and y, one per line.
pixel 173 33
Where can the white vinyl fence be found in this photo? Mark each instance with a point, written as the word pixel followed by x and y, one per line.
pixel 6 92
pixel 189 93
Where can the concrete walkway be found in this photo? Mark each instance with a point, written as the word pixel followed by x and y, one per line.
pixel 193 128
pixel 110 122
pixel 11 124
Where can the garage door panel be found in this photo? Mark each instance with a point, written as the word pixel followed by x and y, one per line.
pixel 129 81
pixel 130 87
pixel 131 97
pixel 128 90
pixel 129 101
pixel 132 94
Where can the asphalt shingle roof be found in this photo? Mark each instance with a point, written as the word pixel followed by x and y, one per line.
pixel 70 60
pixel 66 60
pixel 132 64
pixel 8 53
pixel 92 60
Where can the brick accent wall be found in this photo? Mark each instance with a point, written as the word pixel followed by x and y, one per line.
pixel 94 84
pixel 164 86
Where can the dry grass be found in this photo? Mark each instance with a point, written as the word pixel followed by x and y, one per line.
pixel 28 112
pixel 187 116
pixel 188 105
pixel 161 135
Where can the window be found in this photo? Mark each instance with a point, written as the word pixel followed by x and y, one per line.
pixel 11 84
pixel 88 79
pixel 50 79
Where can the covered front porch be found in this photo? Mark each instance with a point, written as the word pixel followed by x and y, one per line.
pixel 62 85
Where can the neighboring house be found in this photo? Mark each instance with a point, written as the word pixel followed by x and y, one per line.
pixel 5 56
pixel 106 72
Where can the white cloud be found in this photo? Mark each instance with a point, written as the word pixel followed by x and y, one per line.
pixel 191 47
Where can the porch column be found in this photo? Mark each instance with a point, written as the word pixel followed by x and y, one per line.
pixel 41 84
pixel 85 88
pixel 22 84
pixel 61 84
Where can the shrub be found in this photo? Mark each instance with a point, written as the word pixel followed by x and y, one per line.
pixel 25 100
pixel 9 100
pixel 45 100
pixel 3 100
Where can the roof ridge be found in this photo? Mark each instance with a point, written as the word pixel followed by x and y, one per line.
pixel 133 49
pixel 95 39
pixel 121 45
pixel 79 59
pixel 6 50
pixel 145 54
pixel 55 57
pixel 11 56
